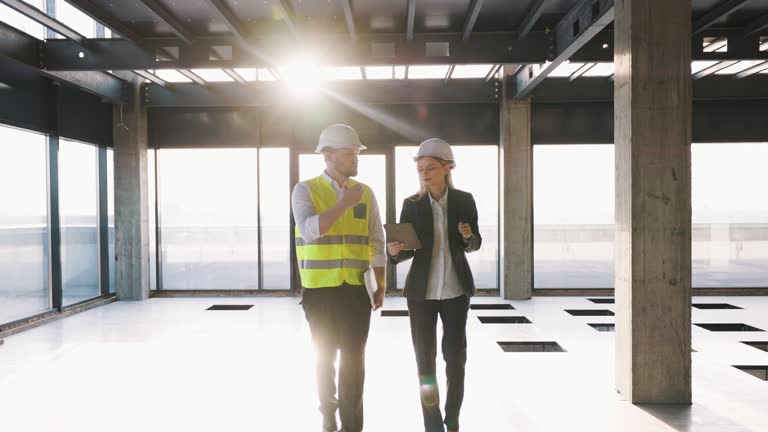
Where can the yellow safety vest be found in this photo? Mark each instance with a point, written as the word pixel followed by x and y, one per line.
pixel 341 254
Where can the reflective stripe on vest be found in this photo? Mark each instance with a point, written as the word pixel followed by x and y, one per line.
pixel 342 254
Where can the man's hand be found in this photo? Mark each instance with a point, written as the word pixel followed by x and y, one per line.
pixel 351 195
pixel 378 298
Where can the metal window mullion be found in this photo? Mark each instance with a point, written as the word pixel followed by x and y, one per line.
pixel 103 224
pixel 259 237
pixel 293 173
pixel 390 213
pixel 50 10
pixel 54 225
pixel 158 230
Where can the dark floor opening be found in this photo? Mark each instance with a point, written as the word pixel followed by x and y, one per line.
pixel 714 306
pixel 604 327
pixel 735 327
pixel 526 346
pixel 756 371
pixel 230 307
pixel 504 320
pixel 590 312
pixel 494 306
pixel 394 313
pixel 762 346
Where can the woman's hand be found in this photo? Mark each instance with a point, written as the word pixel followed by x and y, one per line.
pixel 465 230
pixel 394 248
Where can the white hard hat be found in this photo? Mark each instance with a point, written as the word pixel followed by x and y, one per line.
pixel 339 136
pixel 437 148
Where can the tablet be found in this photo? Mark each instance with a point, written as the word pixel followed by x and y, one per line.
pixel 404 233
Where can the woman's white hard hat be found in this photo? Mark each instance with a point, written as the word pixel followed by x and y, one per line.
pixel 339 136
pixel 436 148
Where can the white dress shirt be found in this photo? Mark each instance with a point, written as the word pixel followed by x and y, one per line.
pixel 308 220
pixel 443 283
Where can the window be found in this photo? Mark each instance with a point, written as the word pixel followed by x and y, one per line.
pixel 276 235
pixel 469 161
pixel 573 216
pixel 78 197
pixel 75 19
pixel 23 225
pixel 208 218
pixel 730 215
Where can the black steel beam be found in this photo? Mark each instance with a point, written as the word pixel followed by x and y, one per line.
pixel 273 94
pixel 119 54
pixel 411 19
pixel 235 76
pixel 757 25
pixel 151 77
pixel 234 24
pixel 447 78
pixel 350 17
pixel 89 8
pixel 167 17
pixel 741 46
pixel 102 84
pixel 717 67
pixel 193 76
pixel 533 15
pixel 41 17
pixel 18 45
pixel 287 14
pixel 599 89
pixel 753 70
pixel 720 10
pixel 469 22
pixel 578 27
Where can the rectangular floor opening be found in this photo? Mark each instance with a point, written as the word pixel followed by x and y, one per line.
pixel 504 320
pixel 756 371
pixel 492 306
pixel 602 300
pixel 590 312
pixel 394 313
pixel 715 306
pixel 230 307
pixel 604 327
pixel 734 327
pixel 762 346
pixel 526 346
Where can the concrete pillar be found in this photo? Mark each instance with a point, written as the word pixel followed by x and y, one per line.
pixel 653 200
pixel 516 194
pixel 131 200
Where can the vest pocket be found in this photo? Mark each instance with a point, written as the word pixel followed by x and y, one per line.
pixel 360 211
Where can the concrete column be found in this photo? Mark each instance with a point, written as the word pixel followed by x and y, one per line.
pixel 653 200
pixel 131 197
pixel 516 194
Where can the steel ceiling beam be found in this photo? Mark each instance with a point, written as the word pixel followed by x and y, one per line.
pixel 41 17
pixel 469 22
pixel 533 15
pixel 722 9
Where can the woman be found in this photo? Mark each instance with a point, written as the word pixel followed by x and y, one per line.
pixel 439 282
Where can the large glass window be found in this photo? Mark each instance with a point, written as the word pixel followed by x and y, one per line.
pixel 730 215
pixel 23 225
pixel 209 218
pixel 470 160
pixel 276 236
pixel 78 197
pixel 573 216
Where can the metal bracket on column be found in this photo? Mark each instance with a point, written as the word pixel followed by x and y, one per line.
pixel 577 28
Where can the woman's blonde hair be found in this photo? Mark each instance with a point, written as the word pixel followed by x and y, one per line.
pixel 423 191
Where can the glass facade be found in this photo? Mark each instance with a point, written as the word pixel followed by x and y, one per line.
pixel 573 216
pixel 23 224
pixel 276 236
pixel 78 201
pixel 208 210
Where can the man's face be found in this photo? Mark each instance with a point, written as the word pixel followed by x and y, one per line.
pixel 344 161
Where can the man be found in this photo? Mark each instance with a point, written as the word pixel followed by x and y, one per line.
pixel 338 237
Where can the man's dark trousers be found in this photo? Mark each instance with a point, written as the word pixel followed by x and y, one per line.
pixel 339 319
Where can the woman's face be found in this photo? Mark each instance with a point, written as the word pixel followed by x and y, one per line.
pixel 432 172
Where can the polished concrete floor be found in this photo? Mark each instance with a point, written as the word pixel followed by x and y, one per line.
pixel 171 365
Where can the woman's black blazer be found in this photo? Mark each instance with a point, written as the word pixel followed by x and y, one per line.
pixel 418 211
